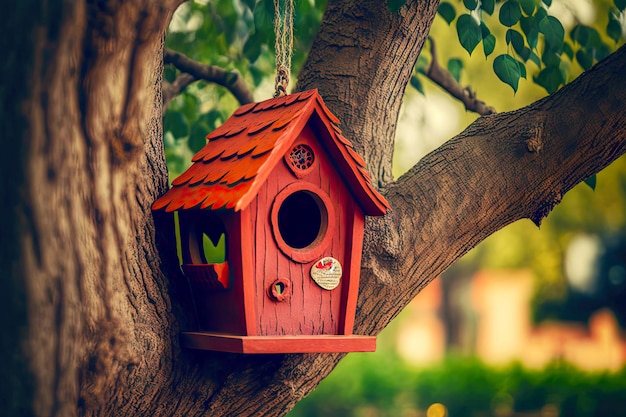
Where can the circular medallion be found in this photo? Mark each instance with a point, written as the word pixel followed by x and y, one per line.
pixel 326 273
pixel 302 157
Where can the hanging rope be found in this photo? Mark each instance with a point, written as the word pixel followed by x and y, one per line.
pixel 283 28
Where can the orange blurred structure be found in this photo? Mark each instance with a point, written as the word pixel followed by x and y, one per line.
pixel 504 331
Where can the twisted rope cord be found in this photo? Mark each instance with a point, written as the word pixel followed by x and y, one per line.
pixel 283 28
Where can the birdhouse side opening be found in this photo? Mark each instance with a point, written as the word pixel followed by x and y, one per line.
pixel 204 250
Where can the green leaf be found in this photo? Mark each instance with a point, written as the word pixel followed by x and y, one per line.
pixel 210 120
pixel 620 4
pixel 550 58
pixel 553 32
pixel 586 36
pixel 516 39
pixel 528 6
pixel 263 15
pixel 489 44
pixel 417 84
pixel 484 30
pixel 510 13
pixel 531 30
pixel 395 5
pixel 567 50
pixel 249 3
pixel 169 73
pixel 258 75
pixel 508 70
pixel 175 123
pixel 522 69
pixel 468 32
pixel 446 11
pixel 455 65
pixel 535 58
pixel 470 4
pixel 550 78
pixel 602 52
pixel 488 6
pixel 252 48
pixel 525 54
pixel 541 13
pixel 614 30
pixel 197 137
pixel 547 2
pixel 585 58
pixel 591 182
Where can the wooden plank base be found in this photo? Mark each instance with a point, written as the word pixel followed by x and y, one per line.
pixel 278 344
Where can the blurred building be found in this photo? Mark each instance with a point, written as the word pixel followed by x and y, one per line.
pixel 495 306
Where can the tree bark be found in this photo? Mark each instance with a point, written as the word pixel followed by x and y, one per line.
pixel 91 313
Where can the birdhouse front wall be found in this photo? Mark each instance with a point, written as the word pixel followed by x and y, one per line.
pixel 302 214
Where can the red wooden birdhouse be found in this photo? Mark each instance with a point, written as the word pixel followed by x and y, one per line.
pixel 271 216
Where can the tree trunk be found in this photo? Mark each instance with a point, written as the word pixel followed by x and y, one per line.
pixel 91 313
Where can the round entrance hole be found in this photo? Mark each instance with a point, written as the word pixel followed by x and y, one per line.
pixel 301 218
pixel 303 221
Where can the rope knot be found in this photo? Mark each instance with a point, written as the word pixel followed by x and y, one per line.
pixel 282 81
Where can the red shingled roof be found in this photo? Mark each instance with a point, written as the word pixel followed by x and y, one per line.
pixel 240 154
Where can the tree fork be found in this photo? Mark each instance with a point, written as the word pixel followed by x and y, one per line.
pixel 502 168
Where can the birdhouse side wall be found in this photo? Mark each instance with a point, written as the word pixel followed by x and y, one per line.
pixel 307 308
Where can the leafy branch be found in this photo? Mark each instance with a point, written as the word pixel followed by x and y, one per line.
pixel 446 80
pixel 192 71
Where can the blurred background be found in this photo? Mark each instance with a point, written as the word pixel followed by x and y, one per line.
pixel 530 322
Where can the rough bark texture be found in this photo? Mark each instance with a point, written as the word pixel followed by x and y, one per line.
pixel 90 311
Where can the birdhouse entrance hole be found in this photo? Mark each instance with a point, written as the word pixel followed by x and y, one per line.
pixel 302 221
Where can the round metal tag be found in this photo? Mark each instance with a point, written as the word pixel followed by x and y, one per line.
pixel 326 273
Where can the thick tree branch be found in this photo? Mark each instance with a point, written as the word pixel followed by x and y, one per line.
pixel 502 168
pixel 232 80
pixel 171 90
pixel 445 80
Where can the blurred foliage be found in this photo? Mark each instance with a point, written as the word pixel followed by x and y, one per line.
pixel 376 385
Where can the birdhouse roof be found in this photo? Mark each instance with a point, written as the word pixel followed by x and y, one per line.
pixel 240 154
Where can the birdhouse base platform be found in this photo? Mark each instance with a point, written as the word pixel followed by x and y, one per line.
pixel 278 344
